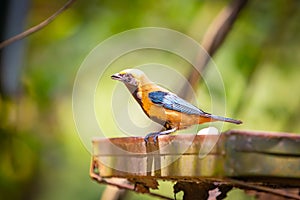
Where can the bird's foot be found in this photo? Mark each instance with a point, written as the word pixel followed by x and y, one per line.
pixel 156 134
pixel 146 139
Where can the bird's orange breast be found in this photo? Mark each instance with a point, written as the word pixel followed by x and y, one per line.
pixel 148 106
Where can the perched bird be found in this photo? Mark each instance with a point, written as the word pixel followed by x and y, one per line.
pixel 163 106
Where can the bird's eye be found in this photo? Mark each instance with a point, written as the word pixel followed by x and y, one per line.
pixel 127 78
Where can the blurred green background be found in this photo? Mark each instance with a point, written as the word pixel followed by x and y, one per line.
pixel 41 154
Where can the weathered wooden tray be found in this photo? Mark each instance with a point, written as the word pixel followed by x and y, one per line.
pixel 261 154
pixel 242 154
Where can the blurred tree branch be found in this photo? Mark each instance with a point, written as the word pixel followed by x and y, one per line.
pixel 212 40
pixel 37 27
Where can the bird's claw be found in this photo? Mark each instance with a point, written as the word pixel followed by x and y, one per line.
pixel 155 138
pixel 154 135
pixel 146 139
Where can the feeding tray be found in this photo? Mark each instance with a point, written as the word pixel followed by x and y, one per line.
pixel 242 154
pixel 258 154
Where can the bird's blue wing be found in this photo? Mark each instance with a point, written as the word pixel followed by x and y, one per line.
pixel 173 102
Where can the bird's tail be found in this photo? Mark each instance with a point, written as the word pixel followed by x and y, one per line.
pixel 224 119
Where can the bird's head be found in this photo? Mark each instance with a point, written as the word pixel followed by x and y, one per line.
pixel 133 77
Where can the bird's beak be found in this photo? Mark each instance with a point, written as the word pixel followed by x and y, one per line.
pixel 117 76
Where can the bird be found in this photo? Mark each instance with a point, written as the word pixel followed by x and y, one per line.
pixel 162 106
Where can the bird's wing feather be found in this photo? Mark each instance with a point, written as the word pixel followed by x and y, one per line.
pixel 173 102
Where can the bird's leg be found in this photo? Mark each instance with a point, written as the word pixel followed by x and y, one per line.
pixel 166 132
pixel 156 134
